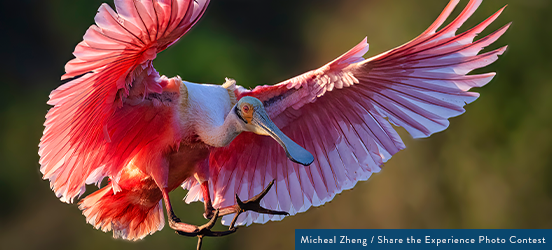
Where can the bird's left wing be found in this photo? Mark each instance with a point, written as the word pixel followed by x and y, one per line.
pixel 342 113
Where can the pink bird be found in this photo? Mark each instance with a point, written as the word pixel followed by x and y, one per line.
pixel 311 137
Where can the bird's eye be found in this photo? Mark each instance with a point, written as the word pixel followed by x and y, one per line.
pixel 245 109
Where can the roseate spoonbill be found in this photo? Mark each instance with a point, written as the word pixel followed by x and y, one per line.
pixel 117 117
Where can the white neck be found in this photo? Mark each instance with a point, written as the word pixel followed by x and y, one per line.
pixel 208 110
pixel 220 136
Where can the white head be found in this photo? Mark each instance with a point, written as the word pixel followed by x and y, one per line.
pixel 253 118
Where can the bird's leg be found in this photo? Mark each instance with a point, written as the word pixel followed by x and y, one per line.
pixel 209 210
pixel 192 230
pixel 252 204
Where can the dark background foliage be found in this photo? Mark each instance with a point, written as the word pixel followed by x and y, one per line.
pixel 491 169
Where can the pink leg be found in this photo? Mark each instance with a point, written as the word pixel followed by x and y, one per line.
pixel 187 229
pixel 209 210
pixel 174 222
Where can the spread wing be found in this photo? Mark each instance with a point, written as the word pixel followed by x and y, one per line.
pixel 91 131
pixel 342 113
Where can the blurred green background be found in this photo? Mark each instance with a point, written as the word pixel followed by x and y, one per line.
pixel 491 169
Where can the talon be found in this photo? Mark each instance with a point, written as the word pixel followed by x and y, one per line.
pixel 240 203
pixel 254 204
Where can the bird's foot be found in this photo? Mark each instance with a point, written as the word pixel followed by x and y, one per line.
pixel 203 230
pixel 254 205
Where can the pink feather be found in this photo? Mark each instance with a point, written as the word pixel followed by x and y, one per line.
pixel 338 113
pixel 85 127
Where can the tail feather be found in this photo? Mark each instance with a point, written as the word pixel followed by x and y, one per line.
pixel 123 213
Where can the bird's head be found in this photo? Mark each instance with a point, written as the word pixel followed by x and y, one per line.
pixel 254 118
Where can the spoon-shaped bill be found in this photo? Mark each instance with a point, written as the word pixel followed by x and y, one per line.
pixel 294 152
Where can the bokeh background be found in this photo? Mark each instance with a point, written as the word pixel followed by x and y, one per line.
pixel 491 169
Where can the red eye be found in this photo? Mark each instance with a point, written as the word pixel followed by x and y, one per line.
pixel 245 109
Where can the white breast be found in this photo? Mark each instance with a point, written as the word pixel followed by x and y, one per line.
pixel 207 106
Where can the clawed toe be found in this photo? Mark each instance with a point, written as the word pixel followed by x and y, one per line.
pixel 254 204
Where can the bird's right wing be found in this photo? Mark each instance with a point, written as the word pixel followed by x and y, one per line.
pixel 90 132
pixel 342 113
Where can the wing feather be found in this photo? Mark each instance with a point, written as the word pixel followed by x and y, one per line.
pixel 342 113
pixel 90 132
